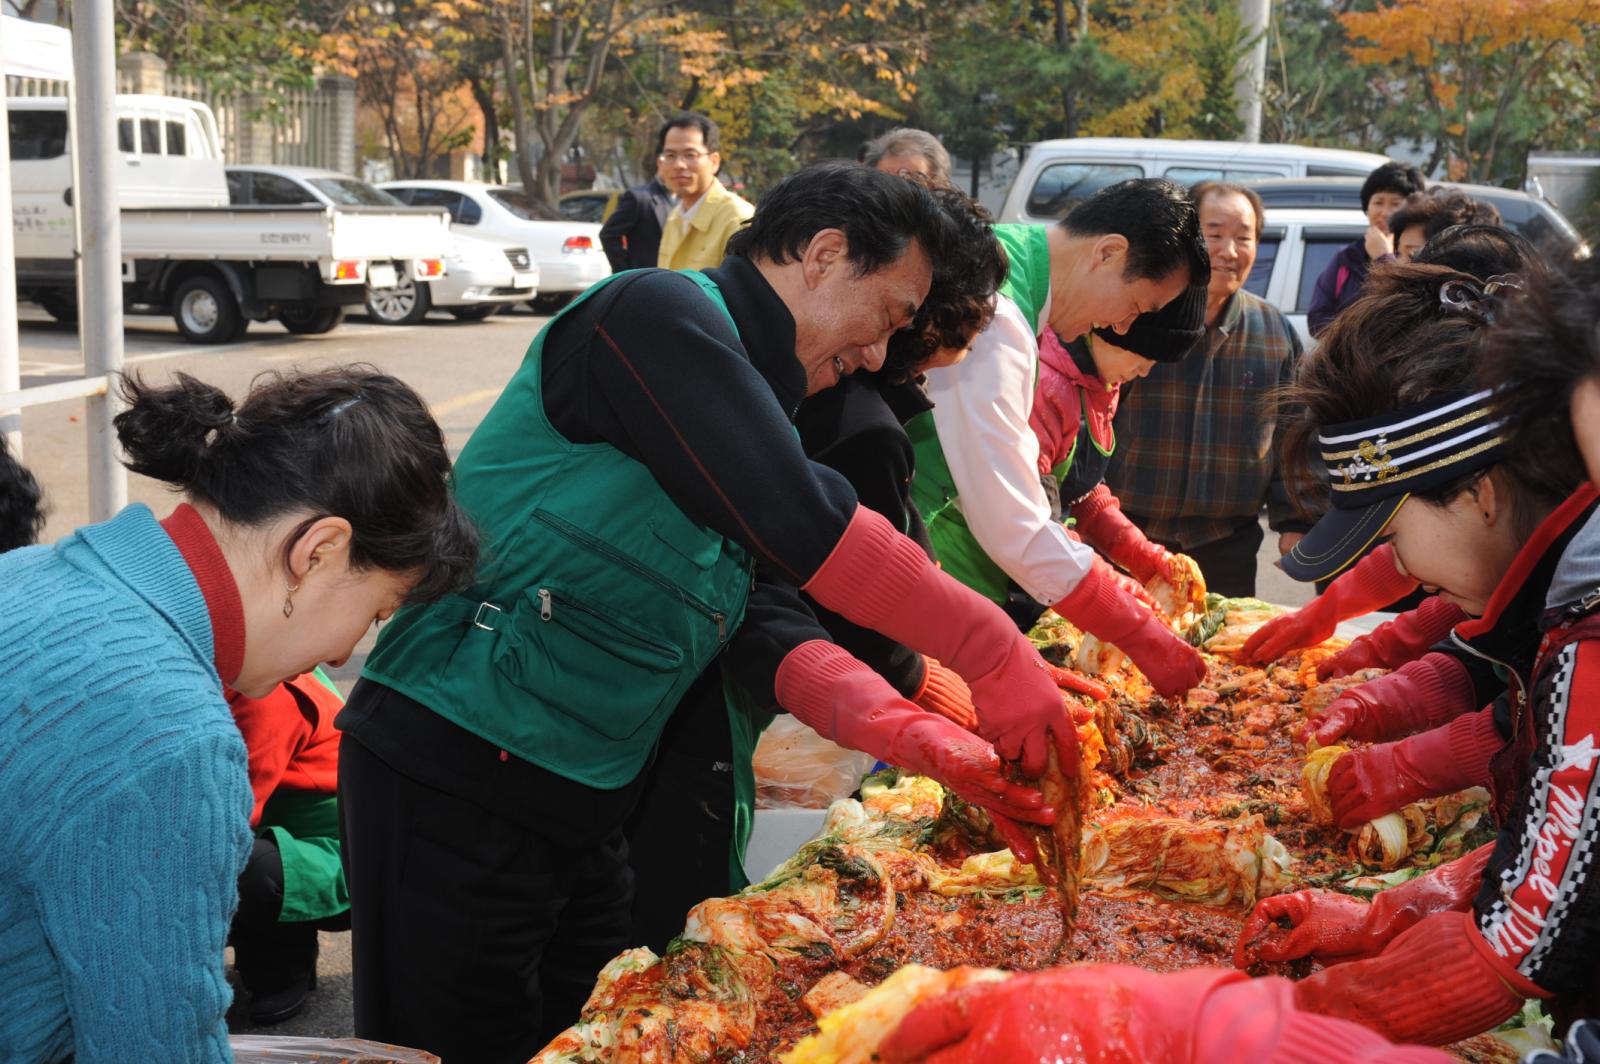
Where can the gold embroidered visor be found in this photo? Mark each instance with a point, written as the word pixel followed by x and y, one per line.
pixel 1376 463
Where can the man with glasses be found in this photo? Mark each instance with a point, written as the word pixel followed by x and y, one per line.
pixel 707 214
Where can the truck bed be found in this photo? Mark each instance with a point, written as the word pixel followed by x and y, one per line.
pixel 285 234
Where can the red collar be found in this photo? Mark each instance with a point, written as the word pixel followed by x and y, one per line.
pixel 199 548
pixel 1549 530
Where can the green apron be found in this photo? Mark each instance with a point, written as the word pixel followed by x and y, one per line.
pixel 597 603
pixel 305 826
pixel 933 489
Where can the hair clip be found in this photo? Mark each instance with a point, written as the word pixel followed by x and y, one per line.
pixel 1462 297
pixel 1466 298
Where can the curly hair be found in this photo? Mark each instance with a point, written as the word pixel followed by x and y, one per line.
pixel 1541 346
pixel 960 301
pixel 1440 208
pixel 21 503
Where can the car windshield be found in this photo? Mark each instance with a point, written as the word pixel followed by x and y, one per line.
pixel 348 192
pixel 518 204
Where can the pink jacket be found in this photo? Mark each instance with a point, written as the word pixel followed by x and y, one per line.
pixel 1058 404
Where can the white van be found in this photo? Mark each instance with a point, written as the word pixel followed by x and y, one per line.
pixel 168 155
pixel 1057 175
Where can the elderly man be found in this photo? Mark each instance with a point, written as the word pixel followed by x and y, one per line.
pixel 909 153
pixel 1129 249
pixel 696 233
pixel 1197 463
pixel 638 466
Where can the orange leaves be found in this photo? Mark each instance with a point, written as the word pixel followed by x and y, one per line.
pixel 1468 61
pixel 1419 30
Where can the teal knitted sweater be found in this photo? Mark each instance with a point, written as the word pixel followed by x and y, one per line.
pixel 124 803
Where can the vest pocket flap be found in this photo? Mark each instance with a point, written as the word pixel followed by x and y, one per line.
pixel 688 541
pixel 579 661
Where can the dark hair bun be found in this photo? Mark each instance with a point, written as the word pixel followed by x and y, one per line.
pixel 347 441
pixel 167 431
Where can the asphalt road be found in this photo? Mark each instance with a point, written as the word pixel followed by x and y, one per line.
pixel 457 367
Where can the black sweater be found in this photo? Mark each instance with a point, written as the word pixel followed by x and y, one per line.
pixel 651 366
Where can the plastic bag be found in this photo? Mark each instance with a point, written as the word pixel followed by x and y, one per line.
pixel 798 769
pixel 276 1049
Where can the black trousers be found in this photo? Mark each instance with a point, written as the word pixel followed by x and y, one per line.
pixel 473 937
pixel 1229 563
pixel 269 954
pixel 680 834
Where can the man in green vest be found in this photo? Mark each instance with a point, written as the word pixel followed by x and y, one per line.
pixel 637 467
pixel 1127 250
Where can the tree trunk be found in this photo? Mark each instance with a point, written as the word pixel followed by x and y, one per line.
pixel 483 94
pixel 519 112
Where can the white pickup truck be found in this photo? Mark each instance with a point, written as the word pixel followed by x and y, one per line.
pixel 185 251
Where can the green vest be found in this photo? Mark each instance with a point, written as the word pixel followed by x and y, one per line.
pixel 596 603
pixel 933 489
pixel 306 828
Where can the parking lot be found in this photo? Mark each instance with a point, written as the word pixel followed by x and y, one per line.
pixel 458 367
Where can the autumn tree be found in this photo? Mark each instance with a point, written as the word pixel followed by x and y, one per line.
pixel 404 55
pixel 1468 65
pixel 785 78
pixel 232 48
pixel 555 56
pixel 1315 94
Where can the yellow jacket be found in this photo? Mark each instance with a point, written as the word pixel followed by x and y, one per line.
pixel 700 245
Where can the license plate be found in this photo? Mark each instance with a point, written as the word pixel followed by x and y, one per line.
pixel 524 280
pixel 382 276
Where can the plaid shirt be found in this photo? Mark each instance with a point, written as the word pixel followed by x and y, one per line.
pixel 1195 455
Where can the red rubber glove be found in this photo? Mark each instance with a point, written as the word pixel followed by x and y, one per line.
pixel 842 699
pixel 1437 983
pixel 1117 1014
pixel 1373 582
pixel 1131 587
pixel 1367 783
pixel 1332 928
pixel 1100 608
pixel 945 693
pixel 1394 643
pixel 1099 519
pixel 1431 691
pixel 1116 576
pixel 881 580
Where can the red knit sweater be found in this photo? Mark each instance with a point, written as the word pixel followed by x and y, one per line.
pixel 288 735
pixel 290 738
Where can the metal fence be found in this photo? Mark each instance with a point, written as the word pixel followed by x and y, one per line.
pixel 298 127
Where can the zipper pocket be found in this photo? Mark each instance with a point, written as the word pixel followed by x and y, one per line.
pixel 558 607
pixel 577 535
